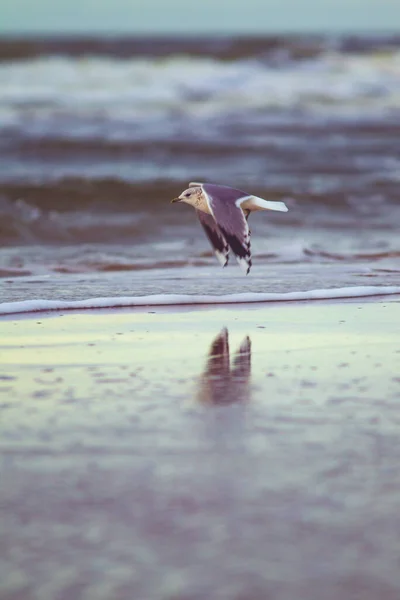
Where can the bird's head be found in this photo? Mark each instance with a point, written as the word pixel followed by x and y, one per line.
pixel 189 196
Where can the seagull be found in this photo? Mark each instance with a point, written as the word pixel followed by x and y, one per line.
pixel 223 212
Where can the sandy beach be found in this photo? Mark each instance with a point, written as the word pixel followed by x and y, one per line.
pixel 197 453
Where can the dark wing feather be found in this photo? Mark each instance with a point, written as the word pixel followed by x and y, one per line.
pixel 217 240
pixel 230 220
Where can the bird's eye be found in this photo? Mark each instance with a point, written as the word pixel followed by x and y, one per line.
pixel 187 195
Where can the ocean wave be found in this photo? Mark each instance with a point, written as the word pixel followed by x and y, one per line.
pixel 38 305
pixel 352 256
pixel 174 256
pixel 71 194
pixel 24 222
pixel 110 97
pixel 326 126
pixel 76 211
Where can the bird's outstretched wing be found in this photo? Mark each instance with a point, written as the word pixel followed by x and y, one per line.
pixel 224 205
pixel 214 234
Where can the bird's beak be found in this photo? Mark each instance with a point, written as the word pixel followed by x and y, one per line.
pixel 175 200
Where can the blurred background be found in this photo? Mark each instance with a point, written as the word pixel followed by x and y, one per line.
pixel 109 107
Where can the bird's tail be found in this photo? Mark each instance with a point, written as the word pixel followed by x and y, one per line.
pixel 268 205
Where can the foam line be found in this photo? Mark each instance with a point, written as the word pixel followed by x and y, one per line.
pixel 27 306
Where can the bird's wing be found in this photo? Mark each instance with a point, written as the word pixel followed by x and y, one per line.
pixel 217 240
pixel 224 204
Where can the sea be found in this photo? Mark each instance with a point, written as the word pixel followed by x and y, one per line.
pixel 98 134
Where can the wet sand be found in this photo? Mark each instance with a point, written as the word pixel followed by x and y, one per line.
pixel 225 453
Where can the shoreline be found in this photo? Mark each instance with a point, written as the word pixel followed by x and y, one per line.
pixel 176 309
pixel 158 300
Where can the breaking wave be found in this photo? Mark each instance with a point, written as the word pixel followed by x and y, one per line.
pixel 117 99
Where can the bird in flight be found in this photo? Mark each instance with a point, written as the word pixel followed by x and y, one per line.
pixel 223 212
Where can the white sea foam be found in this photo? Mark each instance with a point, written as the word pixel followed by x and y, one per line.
pixel 28 306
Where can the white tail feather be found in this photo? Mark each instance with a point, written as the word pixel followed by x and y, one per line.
pixel 268 205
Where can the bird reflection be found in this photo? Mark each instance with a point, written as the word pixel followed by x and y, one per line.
pixel 220 384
